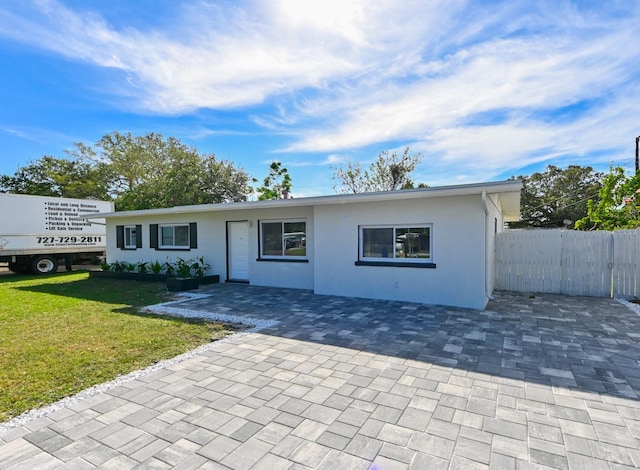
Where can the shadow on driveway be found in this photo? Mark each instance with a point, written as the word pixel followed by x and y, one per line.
pixel 589 344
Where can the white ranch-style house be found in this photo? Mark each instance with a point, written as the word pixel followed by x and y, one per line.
pixel 432 245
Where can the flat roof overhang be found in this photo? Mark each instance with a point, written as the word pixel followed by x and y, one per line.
pixel 508 193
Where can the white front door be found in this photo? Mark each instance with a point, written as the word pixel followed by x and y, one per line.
pixel 238 250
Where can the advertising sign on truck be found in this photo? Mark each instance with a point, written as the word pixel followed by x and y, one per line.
pixel 37 232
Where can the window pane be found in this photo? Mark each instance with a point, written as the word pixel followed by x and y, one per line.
pixel 412 242
pixel 377 242
pixel 295 239
pixel 182 235
pixel 130 236
pixel 166 234
pixel 272 239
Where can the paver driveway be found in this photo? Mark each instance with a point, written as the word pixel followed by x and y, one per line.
pixel 541 382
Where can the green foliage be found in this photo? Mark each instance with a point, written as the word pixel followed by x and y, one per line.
pixel 617 206
pixel 58 177
pixel 183 268
pixel 169 268
pixel 151 172
pixel 276 185
pixel 119 266
pixel 389 172
pixel 156 267
pixel 199 267
pixel 557 197
pixel 143 267
pixel 187 268
pixel 137 172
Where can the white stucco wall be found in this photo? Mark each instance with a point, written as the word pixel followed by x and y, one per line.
pixel 277 274
pixel 212 244
pixel 463 246
pixel 458 244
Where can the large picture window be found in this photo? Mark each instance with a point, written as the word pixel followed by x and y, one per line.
pixel 410 243
pixel 283 239
pixel 174 236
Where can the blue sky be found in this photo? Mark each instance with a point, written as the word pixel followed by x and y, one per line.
pixel 483 89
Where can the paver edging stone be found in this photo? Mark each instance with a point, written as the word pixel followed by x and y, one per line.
pixel 165 308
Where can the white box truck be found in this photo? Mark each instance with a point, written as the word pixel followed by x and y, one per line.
pixel 38 232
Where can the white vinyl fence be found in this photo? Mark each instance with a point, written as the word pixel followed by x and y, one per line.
pixel 597 264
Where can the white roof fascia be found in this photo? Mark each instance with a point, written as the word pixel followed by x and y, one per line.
pixel 499 187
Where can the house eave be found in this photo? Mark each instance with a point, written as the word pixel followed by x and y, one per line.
pixel 509 192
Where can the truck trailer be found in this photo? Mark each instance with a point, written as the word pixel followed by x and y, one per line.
pixel 39 232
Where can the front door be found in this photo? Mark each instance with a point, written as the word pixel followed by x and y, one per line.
pixel 238 251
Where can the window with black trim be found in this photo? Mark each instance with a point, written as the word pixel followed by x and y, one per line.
pixel 286 239
pixel 128 237
pixel 173 236
pixel 408 243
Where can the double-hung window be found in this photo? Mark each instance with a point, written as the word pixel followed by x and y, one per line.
pixel 130 236
pixel 396 244
pixel 283 239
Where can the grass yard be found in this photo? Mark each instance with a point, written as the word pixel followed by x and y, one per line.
pixel 62 333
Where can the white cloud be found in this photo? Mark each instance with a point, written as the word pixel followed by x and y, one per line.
pixel 329 160
pixel 219 58
pixel 474 87
pixel 500 75
pixel 35 134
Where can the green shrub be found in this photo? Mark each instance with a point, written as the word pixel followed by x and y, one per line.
pixel 199 267
pixel 143 267
pixel 183 268
pixel 155 267
pixel 119 266
pixel 169 268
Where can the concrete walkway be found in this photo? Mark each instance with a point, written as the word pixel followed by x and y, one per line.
pixel 532 382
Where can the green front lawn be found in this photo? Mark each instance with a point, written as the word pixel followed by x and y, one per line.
pixel 62 333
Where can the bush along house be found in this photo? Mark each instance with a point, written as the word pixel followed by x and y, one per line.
pixel 432 245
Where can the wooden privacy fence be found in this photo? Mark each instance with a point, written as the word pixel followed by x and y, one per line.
pixel 597 264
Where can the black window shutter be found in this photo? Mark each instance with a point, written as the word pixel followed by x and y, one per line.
pixel 193 235
pixel 138 236
pixel 120 236
pixel 153 236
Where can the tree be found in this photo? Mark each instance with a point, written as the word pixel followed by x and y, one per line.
pixel 276 185
pixel 58 177
pixel 617 205
pixel 152 171
pixel 138 172
pixel 557 197
pixel 389 172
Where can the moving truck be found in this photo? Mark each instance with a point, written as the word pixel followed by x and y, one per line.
pixel 38 232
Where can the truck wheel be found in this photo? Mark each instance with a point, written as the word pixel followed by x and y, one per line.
pixel 44 265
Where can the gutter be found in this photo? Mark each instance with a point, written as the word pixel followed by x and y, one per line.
pixel 485 206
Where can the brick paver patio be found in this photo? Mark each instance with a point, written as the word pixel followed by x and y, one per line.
pixel 532 382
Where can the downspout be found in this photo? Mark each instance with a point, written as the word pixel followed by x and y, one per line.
pixel 487 294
